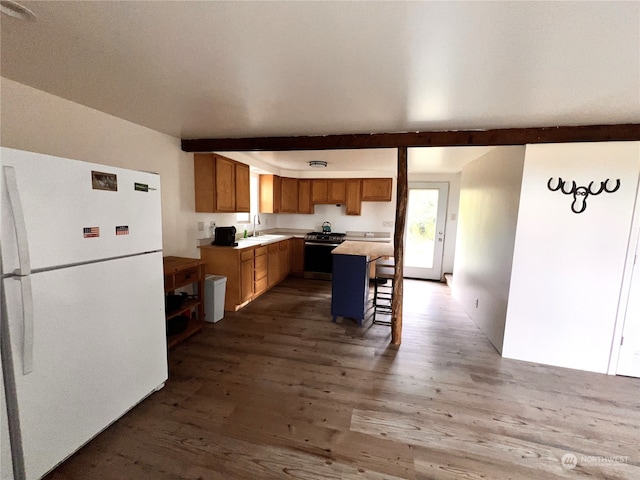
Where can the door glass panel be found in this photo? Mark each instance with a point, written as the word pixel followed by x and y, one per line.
pixel 422 213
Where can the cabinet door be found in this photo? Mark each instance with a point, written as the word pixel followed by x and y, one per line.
pixel 289 195
pixel 297 255
pixel 304 196
pixel 225 185
pixel 243 196
pixel 246 280
pixel 204 177
pixel 267 194
pixel 376 189
pixel 273 269
pixel 284 258
pixel 354 203
pixel 319 191
pixel 337 190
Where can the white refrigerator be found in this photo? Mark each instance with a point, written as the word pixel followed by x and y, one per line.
pixel 83 325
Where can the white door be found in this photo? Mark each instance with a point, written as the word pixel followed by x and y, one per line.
pixel 99 347
pixel 424 230
pixel 629 356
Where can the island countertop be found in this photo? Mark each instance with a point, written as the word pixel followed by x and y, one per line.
pixel 364 249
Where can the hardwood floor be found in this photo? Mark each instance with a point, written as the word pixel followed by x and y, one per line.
pixel 278 391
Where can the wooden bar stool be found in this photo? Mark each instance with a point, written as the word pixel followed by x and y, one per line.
pixel 383 291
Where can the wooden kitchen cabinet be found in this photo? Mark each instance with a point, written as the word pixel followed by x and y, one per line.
pixel 225 185
pixel 242 194
pixel 354 196
pixel 270 194
pixel 204 170
pixel 289 195
pixel 376 189
pixel 273 267
pixel 297 256
pixel 250 271
pixel 261 266
pixel 246 278
pixel 284 259
pixel 320 190
pixel 304 197
pixel 182 272
pixel 337 191
pixel 220 184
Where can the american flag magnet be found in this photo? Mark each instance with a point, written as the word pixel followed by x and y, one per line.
pixel 91 232
pixel 122 230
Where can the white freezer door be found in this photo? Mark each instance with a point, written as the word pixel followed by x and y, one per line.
pixel 99 348
pixel 59 202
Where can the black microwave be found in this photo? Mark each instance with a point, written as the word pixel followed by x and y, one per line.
pixel 225 236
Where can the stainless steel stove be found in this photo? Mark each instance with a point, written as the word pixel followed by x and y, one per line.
pixel 318 262
pixel 324 237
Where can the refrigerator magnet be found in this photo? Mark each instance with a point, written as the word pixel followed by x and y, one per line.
pixel 122 230
pixel 91 232
pixel 104 181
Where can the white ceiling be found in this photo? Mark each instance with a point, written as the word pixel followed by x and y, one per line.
pixel 239 69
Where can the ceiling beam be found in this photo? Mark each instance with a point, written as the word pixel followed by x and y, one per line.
pixel 454 138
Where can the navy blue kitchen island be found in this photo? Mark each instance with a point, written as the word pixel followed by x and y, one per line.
pixel 350 279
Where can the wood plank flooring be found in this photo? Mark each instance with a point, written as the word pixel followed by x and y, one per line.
pixel 277 391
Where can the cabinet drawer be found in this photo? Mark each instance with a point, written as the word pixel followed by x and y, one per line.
pixel 246 254
pixel 283 245
pixel 186 277
pixel 168 282
pixel 261 285
pixel 261 251
pixel 261 266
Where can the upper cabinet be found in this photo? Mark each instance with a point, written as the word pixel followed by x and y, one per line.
pixel 319 190
pixel 270 194
pixel 291 195
pixel 337 190
pixel 354 196
pixel 376 189
pixel 221 184
pixel 304 197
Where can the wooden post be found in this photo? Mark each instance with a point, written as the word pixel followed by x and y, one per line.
pixel 398 242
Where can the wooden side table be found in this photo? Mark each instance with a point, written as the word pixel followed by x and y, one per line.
pixel 180 272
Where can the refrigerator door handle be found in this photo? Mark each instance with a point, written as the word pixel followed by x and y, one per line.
pixel 18 219
pixel 22 273
pixel 27 324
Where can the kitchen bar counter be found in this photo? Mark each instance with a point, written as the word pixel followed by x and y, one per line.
pixel 371 250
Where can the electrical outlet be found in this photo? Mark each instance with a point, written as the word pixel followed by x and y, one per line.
pixel 201 226
pixel 386 223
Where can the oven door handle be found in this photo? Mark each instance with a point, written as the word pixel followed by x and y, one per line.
pixel 322 244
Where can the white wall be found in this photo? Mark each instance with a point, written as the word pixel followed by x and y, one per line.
pixel 36 121
pixel 568 267
pixel 489 196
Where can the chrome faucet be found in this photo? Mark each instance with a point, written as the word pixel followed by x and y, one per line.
pixel 254 223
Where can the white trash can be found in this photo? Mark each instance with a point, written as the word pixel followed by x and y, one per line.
pixel 214 290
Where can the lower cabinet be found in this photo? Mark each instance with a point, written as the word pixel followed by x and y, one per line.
pixel 250 271
pixel 297 256
pixel 350 287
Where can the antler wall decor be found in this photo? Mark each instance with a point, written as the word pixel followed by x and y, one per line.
pixel 580 194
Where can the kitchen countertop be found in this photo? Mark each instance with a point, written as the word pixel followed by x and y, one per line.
pixel 364 249
pixel 257 241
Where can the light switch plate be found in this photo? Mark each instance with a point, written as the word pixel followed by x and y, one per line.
pixel 201 226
